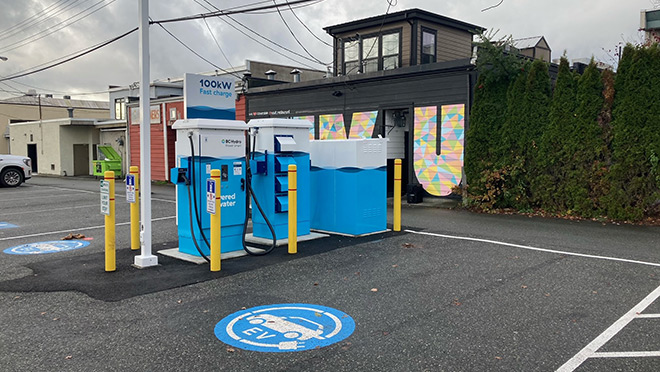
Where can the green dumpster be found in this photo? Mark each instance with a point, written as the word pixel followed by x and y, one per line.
pixel 109 160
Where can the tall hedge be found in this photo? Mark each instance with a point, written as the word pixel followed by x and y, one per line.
pixel 496 69
pixel 635 174
pixel 553 155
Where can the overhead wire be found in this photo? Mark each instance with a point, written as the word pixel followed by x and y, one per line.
pixel 296 38
pixel 265 38
pixel 81 53
pixel 34 19
pixel 31 39
pixel 390 4
pixel 217 43
pixel 304 25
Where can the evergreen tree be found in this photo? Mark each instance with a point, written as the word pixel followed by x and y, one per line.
pixel 585 145
pixel 635 175
pixel 553 156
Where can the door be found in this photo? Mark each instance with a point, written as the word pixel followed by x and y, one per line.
pixel 396 127
pixel 81 160
pixel 32 154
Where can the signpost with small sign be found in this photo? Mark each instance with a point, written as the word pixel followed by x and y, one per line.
pixel 210 196
pixel 130 189
pixel 105 198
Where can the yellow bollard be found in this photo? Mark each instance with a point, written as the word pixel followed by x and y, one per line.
pixel 110 259
pixel 397 195
pixel 135 211
pixel 215 224
pixel 293 209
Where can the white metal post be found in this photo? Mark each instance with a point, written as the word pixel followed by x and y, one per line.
pixel 146 258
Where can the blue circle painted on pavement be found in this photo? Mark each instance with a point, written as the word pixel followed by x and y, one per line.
pixel 284 328
pixel 47 247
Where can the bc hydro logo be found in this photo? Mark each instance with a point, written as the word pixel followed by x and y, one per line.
pixel 46 247
pixel 284 327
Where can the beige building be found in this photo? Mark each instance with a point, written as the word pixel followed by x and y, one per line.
pixel 535 47
pixel 33 107
pixel 650 24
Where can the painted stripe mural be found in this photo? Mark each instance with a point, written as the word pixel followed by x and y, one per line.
pixel 362 124
pixel 331 127
pixel 439 173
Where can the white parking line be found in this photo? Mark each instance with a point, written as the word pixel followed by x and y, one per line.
pixel 117 194
pixel 536 249
pixel 38 197
pixel 589 351
pixel 51 209
pixel 626 354
pixel 78 229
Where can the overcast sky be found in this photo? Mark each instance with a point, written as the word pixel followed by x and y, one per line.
pixel 582 28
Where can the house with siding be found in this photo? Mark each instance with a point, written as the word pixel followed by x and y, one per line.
pixel 405 76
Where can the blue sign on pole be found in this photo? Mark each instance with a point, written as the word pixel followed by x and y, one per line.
pixel 284 328
pixel 7 225
pixel 46 247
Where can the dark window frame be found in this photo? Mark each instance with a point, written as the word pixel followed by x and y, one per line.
pixel 379 46
pixel 434 56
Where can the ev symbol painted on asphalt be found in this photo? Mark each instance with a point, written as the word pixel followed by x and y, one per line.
pixel 284 328
pixel 46 247
pixel 7 225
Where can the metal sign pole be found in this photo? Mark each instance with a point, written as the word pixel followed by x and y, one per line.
pixel 146 258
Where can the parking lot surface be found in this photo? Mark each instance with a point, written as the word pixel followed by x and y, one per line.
pixel 454 291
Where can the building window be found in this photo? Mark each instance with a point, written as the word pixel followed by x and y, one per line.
pixel 390 51
pixel 428 46
pixel 372 53
pixel 120 109
pixel 351 57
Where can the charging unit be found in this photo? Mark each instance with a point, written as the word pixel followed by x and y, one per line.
pixel 276 144
pixel 349 186
pixel 202 145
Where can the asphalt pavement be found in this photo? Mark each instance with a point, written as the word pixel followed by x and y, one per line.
pixel 454 291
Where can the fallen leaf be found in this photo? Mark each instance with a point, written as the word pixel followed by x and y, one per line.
pixel 374 289
pixel 56 318
pixel 205 311
pixel 498 358
pixel 407 245
pixel 523 286
pixel 385 333
pixel 243 308
pixel 316 284
pixel 17 297
pixel 395 265
pixel 179 301
pixel 318 314
pixel 68 357
pixel 44 313
pixel 456 302
pixel 547 295
pixel 230 349
pixel 594 292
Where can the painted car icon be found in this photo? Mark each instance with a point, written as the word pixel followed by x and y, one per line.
pixel 287 328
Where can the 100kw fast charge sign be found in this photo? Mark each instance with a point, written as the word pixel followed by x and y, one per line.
pixel 209 97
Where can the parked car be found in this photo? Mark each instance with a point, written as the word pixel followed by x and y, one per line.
pixel 14 170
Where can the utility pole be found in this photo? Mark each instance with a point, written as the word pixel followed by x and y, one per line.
pixel 146 258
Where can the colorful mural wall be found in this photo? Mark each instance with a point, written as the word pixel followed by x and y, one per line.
pixel 309 118
pixel 362 124
pixel 331 127
pixel 439 173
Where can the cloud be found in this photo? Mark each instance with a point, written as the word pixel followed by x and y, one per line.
pixel 582 28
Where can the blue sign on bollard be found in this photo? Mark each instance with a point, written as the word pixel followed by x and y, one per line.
pixel 7 225
pixel 284 328
pixel 46 247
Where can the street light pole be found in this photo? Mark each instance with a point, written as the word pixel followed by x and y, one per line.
pixel 146 258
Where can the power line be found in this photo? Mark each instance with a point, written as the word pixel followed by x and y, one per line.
pixel 34 19
pixel 21 43
pixel 218 44
pixel 224 13
pixel 83 53
pixel 197 54
pixel 390 4
pixel 295 37
pixel 303 23
pixel 265 38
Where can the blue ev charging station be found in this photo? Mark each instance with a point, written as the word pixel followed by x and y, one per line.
pixel 276 143
pixel 202 145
